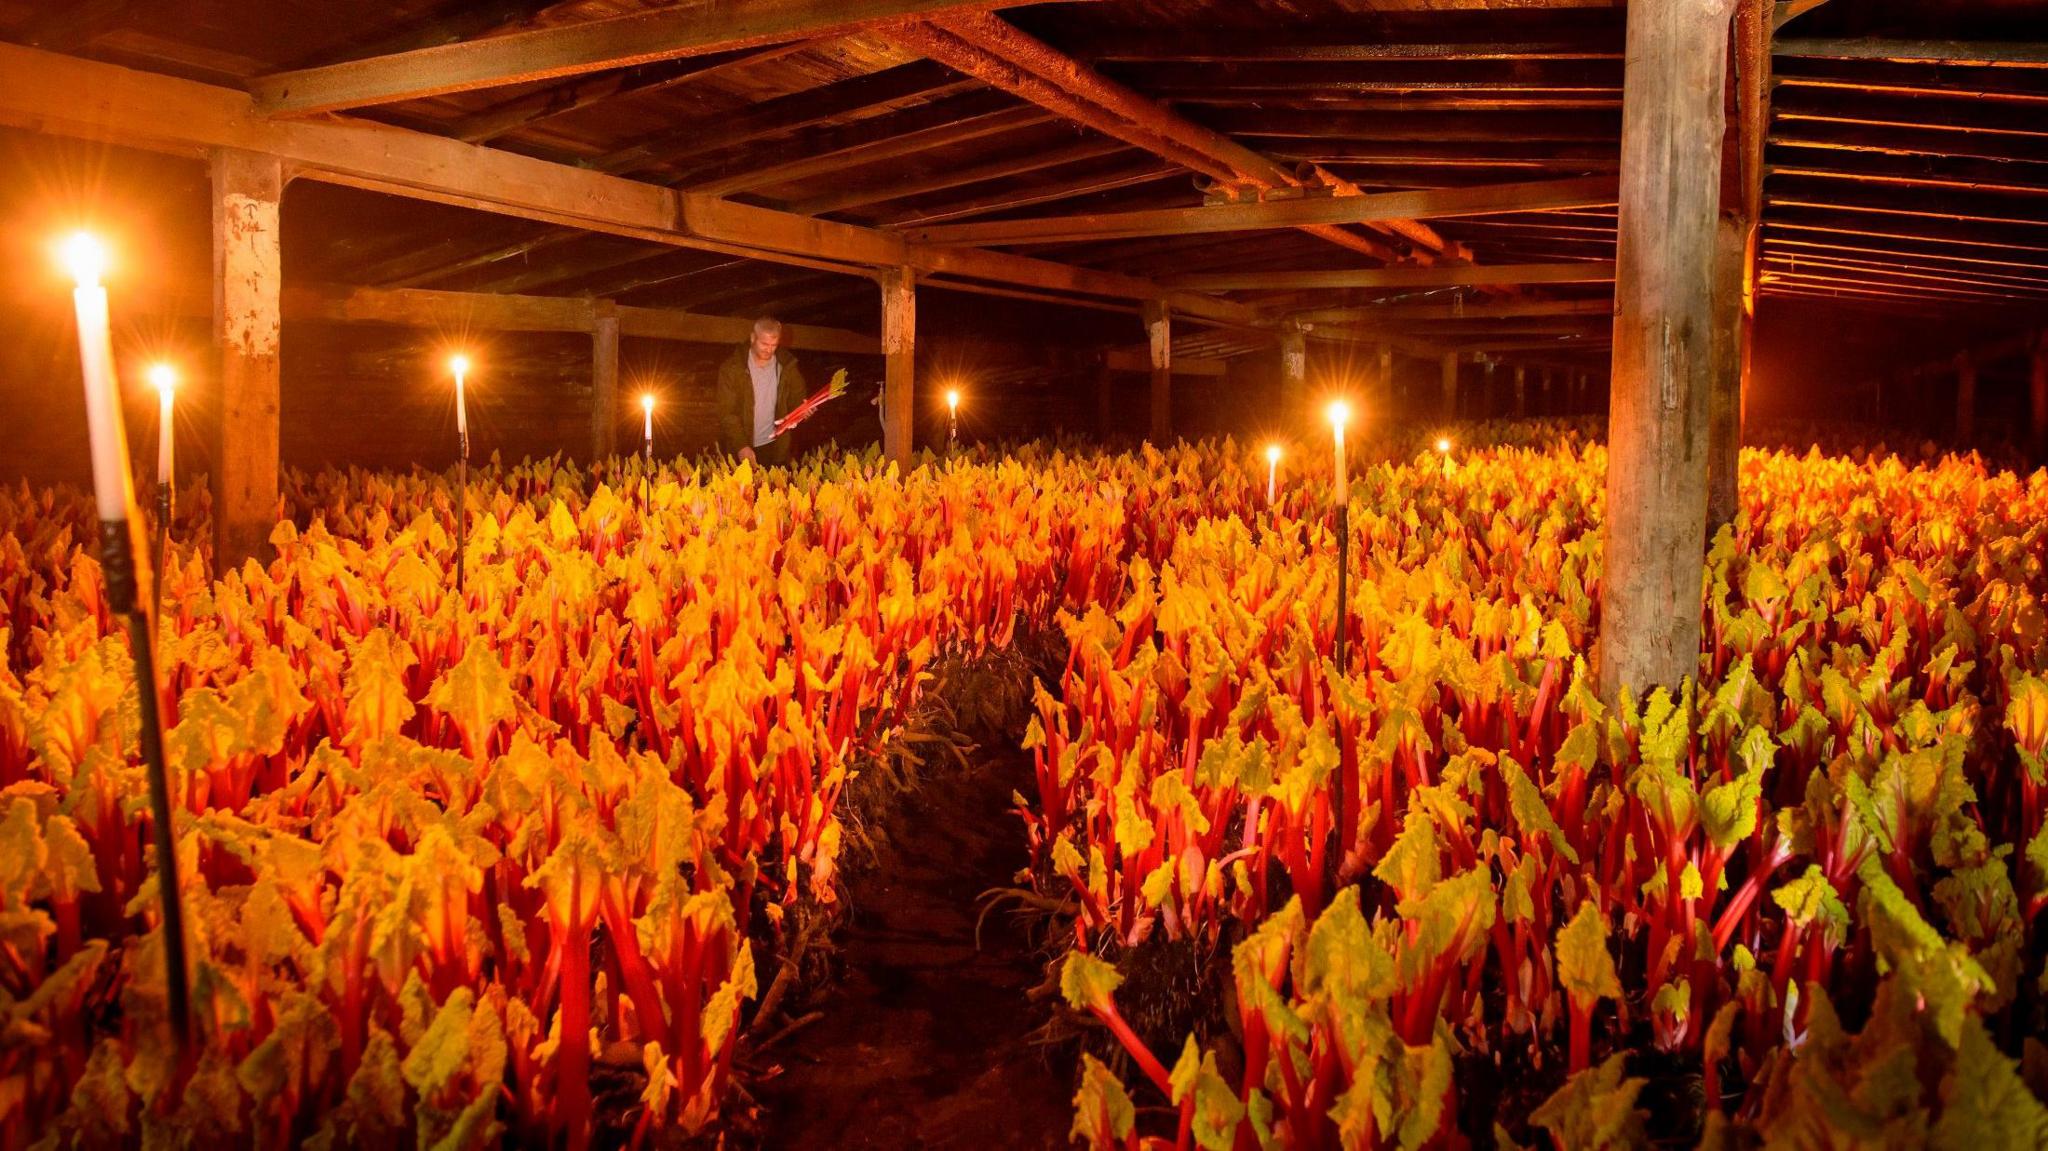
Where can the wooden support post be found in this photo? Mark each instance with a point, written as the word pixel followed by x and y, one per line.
pixel 1294 372
pixel 1547 404
pixel 1159 336
pixel 899 349
pixel 604 381
pixel 248 283
pixel 1105 411
pixel 1522 390
pixel 2038 391
pixel 1966 398
pixel 1724 400
pixel 1450 385
pixel 1671 133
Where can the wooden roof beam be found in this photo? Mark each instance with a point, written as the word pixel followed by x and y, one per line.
pixel 1542 195
pixel 528 109
pixel 67 96
pixel 488 311
pixel 1034 160
pixel 574 49
pixel 1513 309
pixel 996 53
pixel 1447 276
pixel 1969 53
pixel 887 89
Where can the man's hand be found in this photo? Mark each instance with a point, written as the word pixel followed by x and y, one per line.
pixel 747 454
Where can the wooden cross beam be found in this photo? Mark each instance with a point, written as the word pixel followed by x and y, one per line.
pixel 62 95
pixel 1443 276
pixel 1000 55
pixel 573 49
pixel 1536 196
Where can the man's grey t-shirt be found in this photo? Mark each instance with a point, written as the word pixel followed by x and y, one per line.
pixel 767 377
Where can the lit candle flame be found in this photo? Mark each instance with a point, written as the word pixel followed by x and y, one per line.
pixel 164 378
pixel 1443 445
pixel 953 398
pixel 1272 454
pixel 1339 413
pixel 84 257
pixel 647 403
pixel 459 365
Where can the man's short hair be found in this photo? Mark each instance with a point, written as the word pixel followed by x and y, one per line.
pixel 767 326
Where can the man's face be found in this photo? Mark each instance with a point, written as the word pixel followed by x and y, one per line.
pixel 765 344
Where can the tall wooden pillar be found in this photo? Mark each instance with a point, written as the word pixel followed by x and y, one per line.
pixel 248 282
pixel 2037 389
pixel 604 381
pixel 899 350
pixel 1294 372
pixel 1671 133
pixel 1966 398
pixel 1159 338
pixel 1522 390
pixel 1450 385
pixel 1724 399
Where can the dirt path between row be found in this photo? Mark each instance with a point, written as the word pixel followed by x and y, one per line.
pixel 926 1039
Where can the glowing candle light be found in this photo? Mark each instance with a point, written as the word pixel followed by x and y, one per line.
pixel 459 364
pixel 125 569
pixel 952 416
pixel 164 378
pixel 1272 473
pixel 1340 415
pixel 86 259
pixel 647 433
pixel 1443 446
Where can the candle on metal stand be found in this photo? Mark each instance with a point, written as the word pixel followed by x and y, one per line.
pixel 1272 473
pixel 1443 451
pixel 125 570
pixel 165 379
pixel 647 433
pixel 952 418
pixel 1340 415
pixel 459 364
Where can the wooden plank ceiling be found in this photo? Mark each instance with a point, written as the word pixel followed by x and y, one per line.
pixel 1917 180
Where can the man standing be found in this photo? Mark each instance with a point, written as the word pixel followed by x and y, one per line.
pixel 757 386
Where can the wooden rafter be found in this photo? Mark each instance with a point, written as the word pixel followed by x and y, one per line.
pixel 1447 276
pixel 1036 159
pixel 575 49
pixel 837 149
pixel 530 108
pixel 63 95
pixel 998 54
pixel 490 311
pixel 877 91
pixel 1546 195
pixel 1979 53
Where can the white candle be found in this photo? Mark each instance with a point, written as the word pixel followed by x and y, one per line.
pixel 166 380
pixel 647 432
pixel 1340 414
pixel 460 366
pixel 953 404
pixel 1272 473
pixel 86 259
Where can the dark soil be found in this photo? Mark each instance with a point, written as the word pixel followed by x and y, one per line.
pixel 926 1039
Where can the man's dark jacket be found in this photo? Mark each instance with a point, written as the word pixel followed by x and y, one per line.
pixel 734 395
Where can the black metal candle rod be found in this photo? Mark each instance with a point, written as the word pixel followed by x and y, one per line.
pixel 1343 573
pixel 119 547
pixel 461 506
